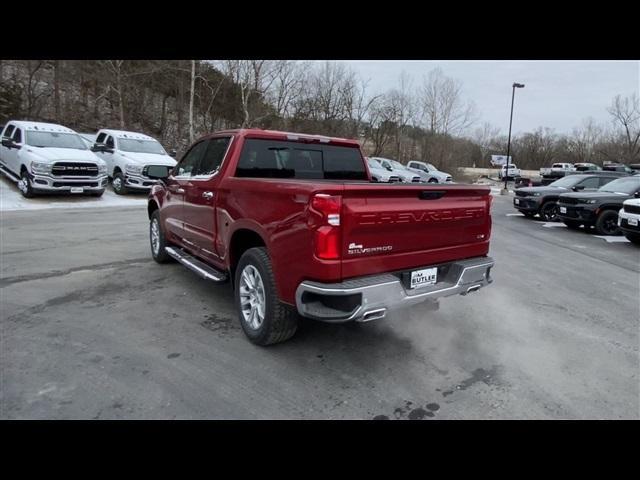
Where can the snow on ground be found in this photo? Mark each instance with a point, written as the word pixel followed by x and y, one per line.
pixel 11 199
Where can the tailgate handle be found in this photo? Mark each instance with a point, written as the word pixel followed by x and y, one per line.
pixel 431 194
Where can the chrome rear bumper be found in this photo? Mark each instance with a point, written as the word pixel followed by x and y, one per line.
pixel 368 298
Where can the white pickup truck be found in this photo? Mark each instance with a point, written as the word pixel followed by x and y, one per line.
pixel 433 175
pixel 50 158
pixel 557 170
pixel 128 156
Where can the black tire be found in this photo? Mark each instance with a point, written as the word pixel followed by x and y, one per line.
pixel 118 184
pixel 280 320
pixel 607 223
pixel 549 211
pixel 159 254
pixel 633 237
pixel 433 180
pixel 25 184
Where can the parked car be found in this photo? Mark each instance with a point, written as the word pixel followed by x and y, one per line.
pixel 398 169
pixel 557 170
pixel 128 156
pixel 381 174
pixel 433 174
pixel 629 220
pixel 600 208
pixel 542 200
pixel 331 246
pixel 618 167
pixel 50 158
pixel 587 167
pixel 514 172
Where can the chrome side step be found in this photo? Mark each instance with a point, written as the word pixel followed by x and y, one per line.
pixel 199 267
pixel 9 173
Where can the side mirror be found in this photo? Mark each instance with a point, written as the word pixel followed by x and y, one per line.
pixel 637 194
pixel 98 147
pixel 7 142
pixel 173 152
pixel 158 172
pixel 577 188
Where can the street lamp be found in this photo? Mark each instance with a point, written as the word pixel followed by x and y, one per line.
pixel 506 177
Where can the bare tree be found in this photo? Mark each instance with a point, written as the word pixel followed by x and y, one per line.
pixel 443 109
pixel 626 112
pixel 484 137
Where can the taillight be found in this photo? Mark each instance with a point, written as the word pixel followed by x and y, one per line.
pixel 327 239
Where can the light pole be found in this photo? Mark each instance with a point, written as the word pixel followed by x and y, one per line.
pixel 505 191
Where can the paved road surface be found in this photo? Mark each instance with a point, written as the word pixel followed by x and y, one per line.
pixel 93 328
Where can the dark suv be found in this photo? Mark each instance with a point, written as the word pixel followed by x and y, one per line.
pixel 542 200
pixel 598 209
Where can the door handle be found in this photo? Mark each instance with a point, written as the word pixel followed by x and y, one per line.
pixel 207 195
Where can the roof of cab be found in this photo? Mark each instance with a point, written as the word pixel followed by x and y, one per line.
pixel 283 136
pixel 125 134
pixel 41 126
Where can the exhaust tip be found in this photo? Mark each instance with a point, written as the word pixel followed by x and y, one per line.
pixel 473 288
pixel 373 315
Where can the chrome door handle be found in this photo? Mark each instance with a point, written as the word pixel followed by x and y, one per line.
pixel 207 195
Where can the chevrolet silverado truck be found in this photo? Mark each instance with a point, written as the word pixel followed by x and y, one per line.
pixel 49 158
pixel 296 223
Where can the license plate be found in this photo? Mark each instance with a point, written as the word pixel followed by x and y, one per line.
pixel 77 189
pixel 424 277
pixel 563 209
pixel 632 221
pixel 516 201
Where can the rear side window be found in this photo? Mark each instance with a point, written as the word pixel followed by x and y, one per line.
pixel 213 156
pixel 278 159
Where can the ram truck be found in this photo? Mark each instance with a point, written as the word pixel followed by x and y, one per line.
pixel 297 225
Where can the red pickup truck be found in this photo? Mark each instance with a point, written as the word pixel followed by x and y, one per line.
pixel 297 225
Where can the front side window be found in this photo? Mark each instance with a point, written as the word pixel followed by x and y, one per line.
pixel 110 142
pixel 55 140
pixel 140 146
pixel 592 182
pixel 101 138
pixel 281 159
pixel 627 185
pixel 191 159
pixel 9 131
pixel 17 136
pixel 212 158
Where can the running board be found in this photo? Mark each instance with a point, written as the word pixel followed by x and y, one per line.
pixel 9 173
pixel 200 268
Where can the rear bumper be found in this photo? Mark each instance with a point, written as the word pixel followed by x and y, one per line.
pixel 368 298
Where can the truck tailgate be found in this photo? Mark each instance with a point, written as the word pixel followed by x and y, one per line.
pixel 387 228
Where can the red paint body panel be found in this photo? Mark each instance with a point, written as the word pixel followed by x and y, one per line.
pixel 420 232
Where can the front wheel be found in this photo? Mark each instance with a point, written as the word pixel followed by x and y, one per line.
pixel 157 239
pixel 433 180
pixel 25 185
pixel 264 318
pixel 118 184
pixel 549 211
pixel 607 223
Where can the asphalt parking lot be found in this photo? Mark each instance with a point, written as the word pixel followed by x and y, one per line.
pixel 92 328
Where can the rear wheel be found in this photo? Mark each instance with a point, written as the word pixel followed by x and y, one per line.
pixel 264 318
pixel 572 225
pixel 433 180
pixel 607 223
pixel 633 237
pixel 549 211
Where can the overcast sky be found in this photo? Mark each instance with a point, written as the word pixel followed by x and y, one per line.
pixel 557 94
